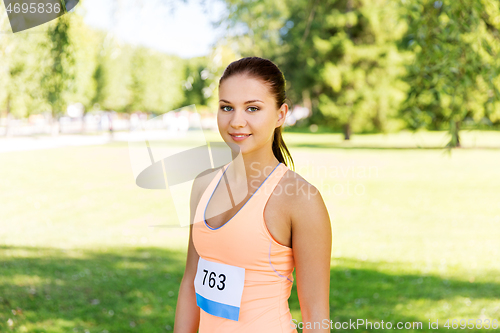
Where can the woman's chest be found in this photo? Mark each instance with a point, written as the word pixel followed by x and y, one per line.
pixel 249 215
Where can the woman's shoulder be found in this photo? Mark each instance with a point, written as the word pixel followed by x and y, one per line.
pixel 296 188
pixel 303 201
pixel 292 178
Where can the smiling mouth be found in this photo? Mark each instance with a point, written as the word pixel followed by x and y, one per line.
pixel 240 135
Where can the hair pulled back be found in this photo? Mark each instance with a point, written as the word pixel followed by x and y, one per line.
pixel 266 71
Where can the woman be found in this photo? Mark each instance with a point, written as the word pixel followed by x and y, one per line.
pixel 241 257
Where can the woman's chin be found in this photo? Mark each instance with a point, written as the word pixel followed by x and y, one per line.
pixel 236 146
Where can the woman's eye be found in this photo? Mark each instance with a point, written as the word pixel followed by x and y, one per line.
pixel 228 108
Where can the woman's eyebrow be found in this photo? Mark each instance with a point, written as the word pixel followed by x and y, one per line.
pixel 247 102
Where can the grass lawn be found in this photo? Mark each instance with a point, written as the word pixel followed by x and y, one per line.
pixel 415 235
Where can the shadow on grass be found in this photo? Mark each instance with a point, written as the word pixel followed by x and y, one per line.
pixel 114 290
pixel 374 295
pixel 136 289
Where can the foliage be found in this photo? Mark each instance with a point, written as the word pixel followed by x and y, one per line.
pixel 65 61
pixel 196 91
pixel 85 49
pixel 154 82
pixel 455 75
pixel 359 65
pixel 19 74
pixel 346 59
pixel 341 55
pixel 203 74
pixel 357 83
pixel 58 67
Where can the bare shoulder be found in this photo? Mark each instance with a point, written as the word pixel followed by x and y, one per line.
pixel 301 198
pixel 296 188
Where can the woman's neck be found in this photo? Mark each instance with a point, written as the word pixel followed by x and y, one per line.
pixel 251 168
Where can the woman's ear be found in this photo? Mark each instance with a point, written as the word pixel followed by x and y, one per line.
pixel 282 112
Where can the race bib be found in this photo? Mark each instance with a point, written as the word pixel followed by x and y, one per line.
pixel 219 288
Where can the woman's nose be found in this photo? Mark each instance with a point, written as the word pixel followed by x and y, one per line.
pixel 238 119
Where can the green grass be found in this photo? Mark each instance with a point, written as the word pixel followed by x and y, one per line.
pixel 82 249
pixel 118 289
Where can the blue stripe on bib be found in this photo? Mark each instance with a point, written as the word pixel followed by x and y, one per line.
pixel 218 309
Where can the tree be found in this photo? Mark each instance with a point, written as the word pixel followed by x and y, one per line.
pixel 19 73
pixel 352 63
pixel 58 71
pixel 339 55
pixel 155 81
pixel 196 74
pixel 457 60
pixel 69 62
pixel 85 48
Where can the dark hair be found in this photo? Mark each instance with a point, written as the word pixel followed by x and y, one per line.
pixel 270 74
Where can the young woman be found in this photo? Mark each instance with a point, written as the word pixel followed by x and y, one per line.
pixel 242 253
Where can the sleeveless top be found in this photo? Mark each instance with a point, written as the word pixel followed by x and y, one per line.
pixel 244 241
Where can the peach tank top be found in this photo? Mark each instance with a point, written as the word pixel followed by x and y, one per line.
pixel 245 242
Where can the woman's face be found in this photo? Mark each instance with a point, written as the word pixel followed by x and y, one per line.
pixel 247 107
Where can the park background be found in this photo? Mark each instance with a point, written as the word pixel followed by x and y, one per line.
pixel 396 118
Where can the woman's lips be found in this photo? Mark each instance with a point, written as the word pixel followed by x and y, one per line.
pixel 239 138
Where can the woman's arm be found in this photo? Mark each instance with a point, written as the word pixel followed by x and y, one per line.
pixel 187 312
pixel 312 246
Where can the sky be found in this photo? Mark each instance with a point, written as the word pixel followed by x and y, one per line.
pixel 170 26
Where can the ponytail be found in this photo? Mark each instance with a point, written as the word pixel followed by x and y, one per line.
pixel 280 149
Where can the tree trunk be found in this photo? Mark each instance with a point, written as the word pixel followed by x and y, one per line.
pixel 54 125
pixel 110 124
pixel 83 120
pixel 347 131
pixel 347 127
pixel 306 99
pixel 378 122
pixel 7 119
pixel 455 136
